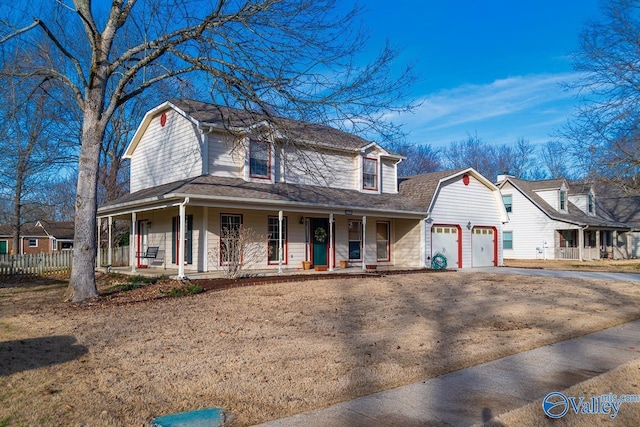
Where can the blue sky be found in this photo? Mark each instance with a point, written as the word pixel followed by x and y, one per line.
pixel 491 68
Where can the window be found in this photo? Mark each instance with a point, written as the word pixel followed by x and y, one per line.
pixel 259 159
pixel 230 239
pixel 54 244
pixel 507 200
pixel 355 240
pixel 369 174
pixel 563 200
pixel 382 241
pixel 273 230
pixel 507 240
pixel 188 240
pixel 591 204
pixel 33 243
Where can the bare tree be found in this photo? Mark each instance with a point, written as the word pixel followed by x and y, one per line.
pixel 289 58
pixel 604 134
pixel 420 158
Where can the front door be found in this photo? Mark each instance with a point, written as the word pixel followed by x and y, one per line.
pixel 320 241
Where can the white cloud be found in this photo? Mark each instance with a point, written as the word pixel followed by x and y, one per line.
pixel 533 103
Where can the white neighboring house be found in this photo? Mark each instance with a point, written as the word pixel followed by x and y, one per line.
pixel 550 219
pixel 466 216
pixel 313 194
pixel 624 207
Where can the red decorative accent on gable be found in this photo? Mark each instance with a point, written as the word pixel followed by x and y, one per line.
pixel 465 179
pixel 163 119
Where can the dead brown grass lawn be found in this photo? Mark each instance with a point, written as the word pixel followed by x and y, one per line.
pixel 269 351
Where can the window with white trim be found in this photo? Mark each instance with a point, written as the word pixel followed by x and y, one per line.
pixel 591 204
pixel 274 238
pixel 355 240
pixel 507 240
pixel 383 252
pixel 507 199
pixel 259 159
pixel 33 243
pixel 230 239
pixel 369 174
pixel 563 200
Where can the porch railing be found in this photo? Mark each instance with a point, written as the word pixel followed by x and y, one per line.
pixel 119 256
pixel 567 253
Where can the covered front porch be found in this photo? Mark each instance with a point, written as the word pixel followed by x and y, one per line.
pixel 586 243
pixel 194 238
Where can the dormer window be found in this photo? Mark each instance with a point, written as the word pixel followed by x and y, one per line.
pixel 259 159
pixel 563 200
pixel 369 174
pixel 591 207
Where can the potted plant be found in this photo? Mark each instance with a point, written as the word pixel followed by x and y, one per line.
pixel 306 265
pixel 344 263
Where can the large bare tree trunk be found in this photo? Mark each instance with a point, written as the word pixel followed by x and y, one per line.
pixel 83 281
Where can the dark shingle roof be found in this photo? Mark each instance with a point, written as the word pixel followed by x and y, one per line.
pixel 574 214
pixel 231 189
pixel 422 188
pixel 59 229
pixel 27 230
pixel 298 131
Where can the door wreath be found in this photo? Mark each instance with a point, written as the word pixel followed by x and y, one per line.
pixel 320 235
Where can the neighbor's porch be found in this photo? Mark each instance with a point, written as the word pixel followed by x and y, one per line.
pixel 590 244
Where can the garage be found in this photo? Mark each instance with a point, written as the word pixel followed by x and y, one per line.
pixel 445 239
pixel 483 246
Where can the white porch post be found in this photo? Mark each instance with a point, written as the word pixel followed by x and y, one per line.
pixel 205 238
pixel 109 244
pixel 598 244
pixel 280 252
pixel 614 243
pixel 181 245
pixel 423 243
pixel 581 244
pixel 331 261
pixel 132 243
pixel 99 254
pixel 364 242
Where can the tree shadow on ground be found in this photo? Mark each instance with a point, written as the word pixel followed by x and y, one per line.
pixel 30 282
pixel 32 353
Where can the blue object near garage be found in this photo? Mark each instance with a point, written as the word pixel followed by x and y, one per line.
pixel 211 417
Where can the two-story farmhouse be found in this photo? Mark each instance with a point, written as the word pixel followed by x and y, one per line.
pixel 551 219
pixel 200 173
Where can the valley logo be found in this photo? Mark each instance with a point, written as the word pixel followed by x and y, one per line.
pixel 556 405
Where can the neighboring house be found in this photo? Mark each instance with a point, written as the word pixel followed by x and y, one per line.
pixel 551 219
pixel 625 208
pixel 41 237
pixel 310 192
pixel 466 216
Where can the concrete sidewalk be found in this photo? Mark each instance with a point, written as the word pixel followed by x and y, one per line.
pixel 477 394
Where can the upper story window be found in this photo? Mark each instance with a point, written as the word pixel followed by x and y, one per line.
pixel 369 174
pixel 591 206
pixel 563 200
pixel 507 199
pixel 259 159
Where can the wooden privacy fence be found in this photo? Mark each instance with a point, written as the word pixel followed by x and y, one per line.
pixel 36 264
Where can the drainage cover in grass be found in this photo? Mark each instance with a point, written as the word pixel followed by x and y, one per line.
pixel 212 417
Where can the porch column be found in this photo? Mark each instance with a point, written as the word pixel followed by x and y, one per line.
pixel 109 244
pixel 181 245
pixel 205 238
pixel 280 252
pixel 581 244
pixel 331 261
pixel 132 243
pixel 423 243
pixel 99 254
pixel 364 243
pixel 598 244
pixel 614 243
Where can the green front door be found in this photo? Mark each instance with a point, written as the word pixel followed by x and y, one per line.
pixel 320 239
pixel 3 247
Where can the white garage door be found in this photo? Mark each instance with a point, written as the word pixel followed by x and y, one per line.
pixel 483 246
pixel 445 240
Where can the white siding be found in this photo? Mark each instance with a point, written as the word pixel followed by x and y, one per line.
pixel 226 155
pixel 459 204
pixel 530 227
pixel 310 167
pixel 389 177
pixel 167 154
pixel 406 251
pixel 552 197
pixel 581 201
